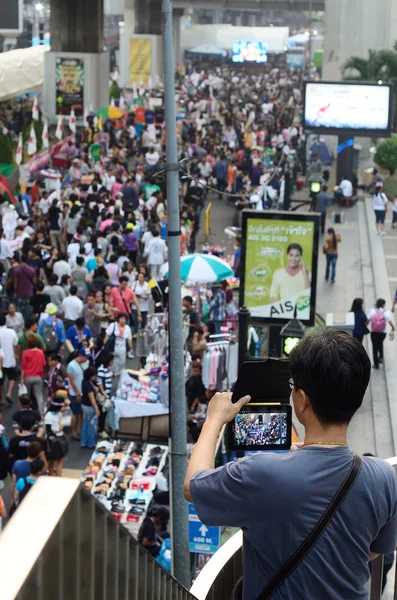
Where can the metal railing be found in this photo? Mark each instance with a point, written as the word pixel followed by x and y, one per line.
pixel 216 581
pixel 62 543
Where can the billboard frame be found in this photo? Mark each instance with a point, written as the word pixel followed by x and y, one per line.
pixel 11 32
pixel 282 215
pixel 346 130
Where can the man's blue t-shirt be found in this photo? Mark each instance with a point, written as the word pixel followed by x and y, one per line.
pixel 278 499
pixel 21 469
pixel 76 337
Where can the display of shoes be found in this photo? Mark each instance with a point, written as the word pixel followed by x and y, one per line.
pixel 136 510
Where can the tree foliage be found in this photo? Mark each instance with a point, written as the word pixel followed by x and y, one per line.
pixel 6 154
pixel 381 65
pixel 115 91
pixel 386 153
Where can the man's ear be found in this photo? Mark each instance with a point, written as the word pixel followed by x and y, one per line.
pixel 301 401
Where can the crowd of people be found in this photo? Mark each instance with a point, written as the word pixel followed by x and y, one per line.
pixel 252 430
pixel 77 261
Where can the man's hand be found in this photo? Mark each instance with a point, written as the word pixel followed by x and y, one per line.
pixel 221 410
pixel 140 318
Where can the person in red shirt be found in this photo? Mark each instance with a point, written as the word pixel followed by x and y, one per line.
pixel 32 371
pixel 122 297
pixel 35 192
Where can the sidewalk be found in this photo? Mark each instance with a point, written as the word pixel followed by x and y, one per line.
pixel 370 430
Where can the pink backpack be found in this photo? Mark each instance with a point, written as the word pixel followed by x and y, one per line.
pixel 378 321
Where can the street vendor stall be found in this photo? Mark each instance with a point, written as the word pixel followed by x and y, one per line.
pixel 122 475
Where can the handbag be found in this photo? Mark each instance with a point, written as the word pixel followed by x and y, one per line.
pixel 295 560
pixel 22 390
pixel 110 344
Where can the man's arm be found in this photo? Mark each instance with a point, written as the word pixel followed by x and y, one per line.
pixel 220 411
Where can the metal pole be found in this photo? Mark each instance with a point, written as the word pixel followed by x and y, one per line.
pixel 243 324
pixel 178 458
pixel 310 38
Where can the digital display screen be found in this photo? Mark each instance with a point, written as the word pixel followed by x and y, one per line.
pixel 260 429
pixel 279 266
pixel 347 106
pixel 11 17
pixel 249 52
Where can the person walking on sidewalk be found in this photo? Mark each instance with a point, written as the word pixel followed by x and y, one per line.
pixel 379 317
pixel 380 208
pixel 360 319
pixel 330 249
pixel 323 205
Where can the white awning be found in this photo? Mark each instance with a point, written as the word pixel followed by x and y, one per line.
pixel 21 71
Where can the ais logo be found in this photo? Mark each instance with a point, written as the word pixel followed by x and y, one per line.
pixel 303 302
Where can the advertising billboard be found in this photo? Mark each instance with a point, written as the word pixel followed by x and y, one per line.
pixel 69 86
pixel 279 265
pixel 356 108
pixel 249 52
pixel 11 17
pixel 140 61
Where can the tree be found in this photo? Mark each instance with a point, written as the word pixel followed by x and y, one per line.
pixel 386 154
pixel 6 154
pixel 381 65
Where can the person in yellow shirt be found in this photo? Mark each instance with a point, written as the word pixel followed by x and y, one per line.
pixel 292 279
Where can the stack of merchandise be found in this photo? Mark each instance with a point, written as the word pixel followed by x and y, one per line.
pixel 134 387
pixel 122 476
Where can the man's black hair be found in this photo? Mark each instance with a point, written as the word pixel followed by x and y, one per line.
pixel 188 299
pixel 333 369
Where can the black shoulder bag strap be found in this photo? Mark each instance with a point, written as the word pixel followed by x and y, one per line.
pixel 289 567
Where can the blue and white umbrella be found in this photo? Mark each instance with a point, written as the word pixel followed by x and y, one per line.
pixel 203 268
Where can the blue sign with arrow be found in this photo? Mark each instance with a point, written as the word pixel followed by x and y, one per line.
pixel 202 539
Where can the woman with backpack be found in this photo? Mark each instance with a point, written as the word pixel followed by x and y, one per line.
pixel 379 317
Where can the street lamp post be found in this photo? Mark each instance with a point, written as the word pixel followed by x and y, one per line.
pixel 178 455
pixel 36 26
pixel 310 38
pixel 290 335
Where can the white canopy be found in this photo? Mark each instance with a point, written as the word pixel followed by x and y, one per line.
pixel 21 71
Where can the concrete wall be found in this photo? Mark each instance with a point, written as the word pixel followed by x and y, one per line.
pixel 353 27
pixel 224 36
pixel 96 81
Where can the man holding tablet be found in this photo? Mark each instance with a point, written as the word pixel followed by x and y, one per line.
pixel 312 519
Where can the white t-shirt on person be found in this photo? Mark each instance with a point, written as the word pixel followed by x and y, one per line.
pixel 347 188
pixel 380 201
pixel 121 336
